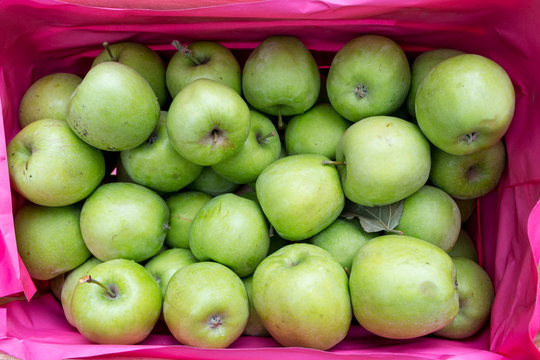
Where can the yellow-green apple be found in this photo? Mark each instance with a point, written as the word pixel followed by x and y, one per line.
pixel 164 264
pixel 254 326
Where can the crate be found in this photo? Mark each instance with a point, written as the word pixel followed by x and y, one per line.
pixel 44 36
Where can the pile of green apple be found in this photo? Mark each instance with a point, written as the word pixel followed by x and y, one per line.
pixel 228 200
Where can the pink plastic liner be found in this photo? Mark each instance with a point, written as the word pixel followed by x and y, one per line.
pixel 44 36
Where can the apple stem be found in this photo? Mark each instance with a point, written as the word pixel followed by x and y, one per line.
pixel 270 231
pixel 331 162
pixel 185 51
pixel 280 123
pixel 263 139
pixel 88 279
pixel 108 49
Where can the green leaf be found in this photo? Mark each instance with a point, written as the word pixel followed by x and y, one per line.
pixel 377 218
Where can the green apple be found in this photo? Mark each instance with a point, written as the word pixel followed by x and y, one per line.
pixel 301 295
pixel 386 159
pixel 202 59
pixel 300 195
pixel 432 215
pixel 464 247
pixel 71 281
pixel 206 305
pixel 47 98
pixel 142 59
pixel 211 183
pixel 421 66
pixel 118 302
pixel 465 104
pixel 207 122
pixel 468 176
pixel 183 207
pixel 369 76
pixel 124 220
pixel 466 208
pixel 342 239
pixel 163 265
pixel 475 298
pixel 49 239
pixel 114 108
pixel 403 287
pixel 261 148
pixel 156 165
pixel 230 230
pixel 281 77
pixel 50 166
pixel 254 326
pixel 317 131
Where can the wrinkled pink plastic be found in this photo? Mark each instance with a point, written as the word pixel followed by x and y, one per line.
pixel 44 36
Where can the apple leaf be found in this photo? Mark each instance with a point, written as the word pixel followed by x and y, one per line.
pixel 377 218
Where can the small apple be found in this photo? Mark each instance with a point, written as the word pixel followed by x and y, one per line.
pixel 466 208
pixel 385 160
pixel 230 230
pixel 113 108
pixel 163 265
pixel 403 287
pixel 254 325
pixel 49 239
pixel 281 77
pixel 207 122
pixel 124 220
pixel 476 295
pixel 211 183
pixel 261 148
pixel 421 66
pixel 432 215
pixel 468 176
pixel 342 239
pixel 317 131
pixel 117 302
pixel 464 247
pixel 142 59
pixel 300 195
pixel 50 166
pixel 156 165
pixel 47 98
pixel 301 295
pixel 71 281
pixel 202 59
pixel 465 104
pixel 183 207
pixel 369 76
pixel 206 305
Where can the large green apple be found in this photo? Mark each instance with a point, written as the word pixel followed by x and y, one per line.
pixel 231 230
pixel 113 108
pixel 51 166
pixel 475 298
pixel 369 76
pixel 432 215
pixel 183 207
pixel 163 265
pixel 301 295
pixel 261 148
pixel 49 239
pixel 386 159
pixel 47 98
pixel 281 77
pixel 118 302
pixel 403 287
pixel 421 66
pixel 300 195
pixel 202 59
pixel 155 163
pixel 142 59
pixel 124 220
pixel 468 176
pixel 206 305
pixel 207 122
pixel 465 104
pixel 317 131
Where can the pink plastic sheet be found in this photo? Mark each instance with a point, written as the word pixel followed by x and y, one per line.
pixel 44 36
